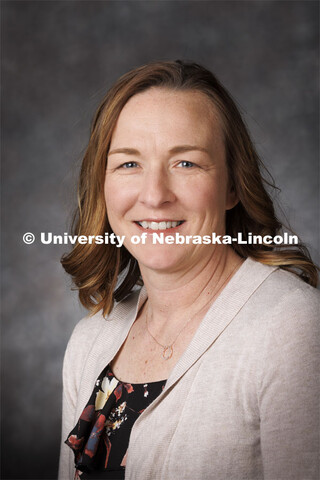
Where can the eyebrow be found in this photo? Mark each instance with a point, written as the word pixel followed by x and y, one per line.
pixel 173 150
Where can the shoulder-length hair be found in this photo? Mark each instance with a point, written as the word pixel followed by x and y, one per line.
pixel 95 269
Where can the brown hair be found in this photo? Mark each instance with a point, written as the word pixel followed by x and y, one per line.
pixel 94 268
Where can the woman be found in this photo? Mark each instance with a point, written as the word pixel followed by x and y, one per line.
pixel 209 370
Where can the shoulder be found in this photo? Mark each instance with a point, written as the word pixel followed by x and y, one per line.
pixel 275 335
pixel 284 314
pixel 89 327
pixel 287 282
pixel 86 333
pixel 280 316
pixel 285 294
pixel 86 330
pixel 92 345
pixel 78 348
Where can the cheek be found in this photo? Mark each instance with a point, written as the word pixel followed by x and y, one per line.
pixel 118 198
pixel 110 200
pixel 206 197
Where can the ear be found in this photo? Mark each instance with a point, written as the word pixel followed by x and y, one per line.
pixel 232 198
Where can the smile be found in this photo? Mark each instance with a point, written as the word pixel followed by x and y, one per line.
pixel 160 225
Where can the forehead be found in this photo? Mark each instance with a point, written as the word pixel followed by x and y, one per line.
pixel 160 114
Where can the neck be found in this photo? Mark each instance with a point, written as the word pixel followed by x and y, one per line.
pixel 172 296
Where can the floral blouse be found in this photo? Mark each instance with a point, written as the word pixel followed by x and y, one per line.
pixel 101 437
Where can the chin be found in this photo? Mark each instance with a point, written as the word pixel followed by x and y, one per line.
pixel 160 259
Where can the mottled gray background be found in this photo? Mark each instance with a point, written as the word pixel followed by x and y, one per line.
pixel 58 58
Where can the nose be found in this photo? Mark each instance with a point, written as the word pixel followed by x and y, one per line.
pixel 156 189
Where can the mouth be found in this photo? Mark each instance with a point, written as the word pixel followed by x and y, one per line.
pixel 163 225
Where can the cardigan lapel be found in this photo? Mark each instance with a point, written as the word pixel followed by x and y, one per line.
pixel 117 326
pixel 106 344
pixel 230 301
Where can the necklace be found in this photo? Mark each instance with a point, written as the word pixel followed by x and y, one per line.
pixel 167 350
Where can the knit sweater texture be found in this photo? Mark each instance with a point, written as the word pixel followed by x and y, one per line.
pixel 242 400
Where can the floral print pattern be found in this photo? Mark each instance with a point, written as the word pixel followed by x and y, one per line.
pixel 104 393
pixel 100 438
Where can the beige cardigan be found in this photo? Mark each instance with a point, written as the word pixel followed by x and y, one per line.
pixel 242 401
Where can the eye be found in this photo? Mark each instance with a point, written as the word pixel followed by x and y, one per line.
pixel 128 165
pixel 186 164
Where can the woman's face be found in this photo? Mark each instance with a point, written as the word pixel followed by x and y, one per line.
pixel 166 172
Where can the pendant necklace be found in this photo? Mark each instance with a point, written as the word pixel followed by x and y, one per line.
pixel 167 350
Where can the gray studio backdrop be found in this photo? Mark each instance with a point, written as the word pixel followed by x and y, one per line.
pixel 58 58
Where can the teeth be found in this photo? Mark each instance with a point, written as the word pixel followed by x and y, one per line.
pixel 154 226
pixel 159 225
